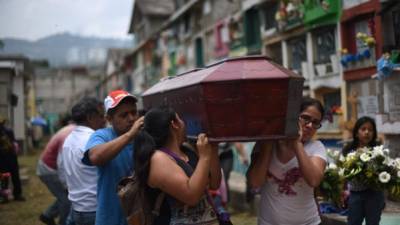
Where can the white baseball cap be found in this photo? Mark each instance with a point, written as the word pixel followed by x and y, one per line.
pixel 115 97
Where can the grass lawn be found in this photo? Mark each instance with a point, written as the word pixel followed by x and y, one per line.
pixel 38 198
pixel 36 194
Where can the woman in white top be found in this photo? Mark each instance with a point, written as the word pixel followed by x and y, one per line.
pixel 287 171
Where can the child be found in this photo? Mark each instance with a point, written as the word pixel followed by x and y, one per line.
pixel 364 203
pixel 4 191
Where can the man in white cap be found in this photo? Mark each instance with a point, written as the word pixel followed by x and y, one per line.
pixel 111 150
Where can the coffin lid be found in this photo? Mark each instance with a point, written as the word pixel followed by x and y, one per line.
pixel 238 68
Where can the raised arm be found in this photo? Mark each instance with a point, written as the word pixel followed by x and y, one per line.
pixel 215 169
pixel 166 175
pixel 312 167
pixel 102 153
pixel 260 159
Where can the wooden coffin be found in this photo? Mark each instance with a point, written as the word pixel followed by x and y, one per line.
pixel 238 99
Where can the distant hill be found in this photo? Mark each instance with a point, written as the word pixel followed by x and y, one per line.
pixel 65 49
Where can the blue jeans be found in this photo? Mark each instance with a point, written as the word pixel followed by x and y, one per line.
pixel 366 204
pixel 83 218
pixel 61 206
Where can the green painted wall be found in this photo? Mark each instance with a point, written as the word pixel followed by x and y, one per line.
pixel 315 14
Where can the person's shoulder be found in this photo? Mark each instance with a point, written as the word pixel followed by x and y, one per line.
pixel 161 159
pixel 315 145
pixel 103 132
pixel 100 136
pixel 160 156
pixel 66 129
pixel 316 148
pixel 69 139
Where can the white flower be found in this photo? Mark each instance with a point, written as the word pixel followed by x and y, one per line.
pixel 341 172
pixel 384 177
pixel 342 158
pixel 290 7
pixel 335 154
pixel 332 166
pixel 364 149
pixel 397 163
pixel 386 151
pixel 392 163
pixel 365 157
pixel 398 174
pixel 378 150
pixel 376 153
pixel 350 155
pixel 388 161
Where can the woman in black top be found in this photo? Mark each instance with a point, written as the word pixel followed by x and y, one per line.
pixel 162 164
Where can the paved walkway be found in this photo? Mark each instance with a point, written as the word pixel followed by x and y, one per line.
pixel 392 207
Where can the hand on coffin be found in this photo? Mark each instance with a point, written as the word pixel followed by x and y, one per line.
pixel 292 143
pixel 204 148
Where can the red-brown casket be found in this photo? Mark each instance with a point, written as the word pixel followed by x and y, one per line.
pixel 238 99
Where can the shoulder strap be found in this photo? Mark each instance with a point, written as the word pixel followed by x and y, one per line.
pixel 187 168
pixel 157 205
pixel 171 153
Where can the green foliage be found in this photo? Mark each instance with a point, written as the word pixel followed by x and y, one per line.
pixel 331 186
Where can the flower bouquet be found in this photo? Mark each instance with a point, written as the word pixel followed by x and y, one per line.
pixel 331 187
pixel 372 167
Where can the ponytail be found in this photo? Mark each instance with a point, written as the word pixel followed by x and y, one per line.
pixel 152 136
pixel 144 149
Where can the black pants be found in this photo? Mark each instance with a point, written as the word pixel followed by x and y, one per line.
pixel 367 205
pixel 226 162
pixel 9 163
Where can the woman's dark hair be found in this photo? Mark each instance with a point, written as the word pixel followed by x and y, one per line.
pixel 153 135
pixel 307 101
pixel 84 108
pixel 142 112
pixel 356 141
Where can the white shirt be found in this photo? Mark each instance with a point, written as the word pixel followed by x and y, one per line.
pixel 286 198
pixel 81 179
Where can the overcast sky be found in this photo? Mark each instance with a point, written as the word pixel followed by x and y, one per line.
pixel 34 19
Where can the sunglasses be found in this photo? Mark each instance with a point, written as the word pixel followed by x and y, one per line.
pixel 304 119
